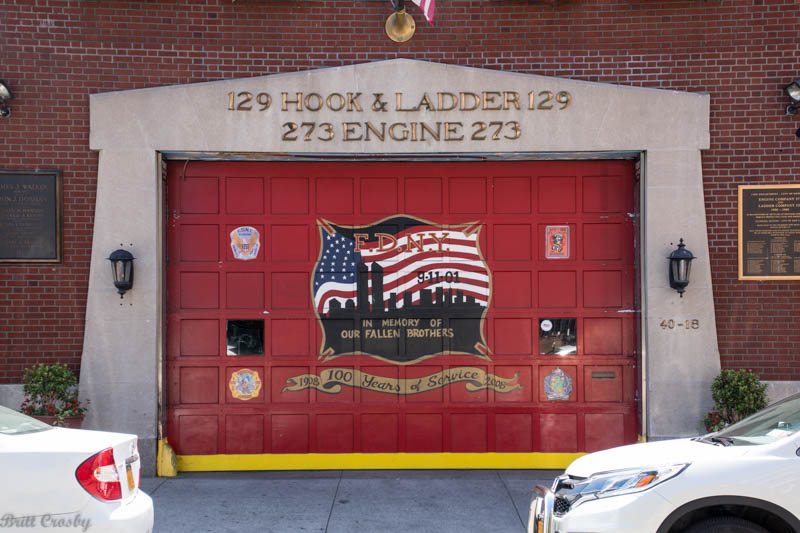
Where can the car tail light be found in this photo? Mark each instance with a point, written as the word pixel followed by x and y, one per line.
pixel 99 476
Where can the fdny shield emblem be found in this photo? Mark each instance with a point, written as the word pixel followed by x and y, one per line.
pixel 558 385
pixel 401 289
pixel 245 243
pixel 245 384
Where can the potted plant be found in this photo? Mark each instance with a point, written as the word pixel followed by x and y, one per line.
pixel 736 394
pixel 51 395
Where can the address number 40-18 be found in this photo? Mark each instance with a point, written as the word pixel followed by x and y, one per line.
pixel 692 323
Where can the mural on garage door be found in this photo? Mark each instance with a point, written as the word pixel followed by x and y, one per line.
pixel 401 290
pixel 400 307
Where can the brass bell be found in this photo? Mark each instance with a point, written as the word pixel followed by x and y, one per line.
pixel 400 25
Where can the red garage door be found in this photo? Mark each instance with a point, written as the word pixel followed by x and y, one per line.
pixel 364 308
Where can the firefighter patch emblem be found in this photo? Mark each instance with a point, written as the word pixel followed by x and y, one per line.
pixel 245 243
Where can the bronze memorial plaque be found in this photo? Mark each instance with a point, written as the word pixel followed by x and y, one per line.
pixel 30 216
pixel 769 232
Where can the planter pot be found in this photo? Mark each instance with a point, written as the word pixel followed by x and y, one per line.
pixel 68 421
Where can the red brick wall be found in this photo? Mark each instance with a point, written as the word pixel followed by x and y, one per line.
pixel 743 52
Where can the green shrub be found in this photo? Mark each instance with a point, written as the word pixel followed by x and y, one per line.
pixel 736 394
pixel 51 390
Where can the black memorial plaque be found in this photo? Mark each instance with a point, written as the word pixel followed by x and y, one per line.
pixel 30 216
pixel 769 232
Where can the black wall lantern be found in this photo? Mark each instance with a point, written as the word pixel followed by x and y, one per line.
pixel 793 91
pixel 680 265
pixel 5 96
pixel 122 269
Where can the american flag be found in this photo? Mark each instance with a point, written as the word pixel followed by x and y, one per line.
pixel 427 7
pixel 421 257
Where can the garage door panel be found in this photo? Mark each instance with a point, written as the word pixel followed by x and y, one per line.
pixel 289 290
pixel 424 196
pixel 199 195
pixel 556 194
pixel 469 432
pixel 514 433
pixel 558 289
pixel 602 288
pixel 602 336
pixel 467 195
pixel 289 242
pixel 290 337
pixel 378 195
pixel 199 385
pixel 512 242
pixel 558 432
pixel 199 290
pixel 512 195
pixel 244 434
pixel 424 432
pixel 197 434
pixel 335 433
pixel 289 196
pixel 198 337
pixel 244 290
pixel 290 433
pixel 199 242
pixel 244 196
pixel 601 194
pixel 335 196
pixel 512 336
pixel 604 430
pixel 379 433
pixel 512 290
pixel 435 343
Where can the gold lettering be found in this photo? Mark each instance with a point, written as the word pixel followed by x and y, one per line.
pixel 399 103
pixel 318 99
pixel 352 102
pixel 426 101
pixel 413 131
pixel 488 98
pixel 434 134
pixel 337 107
pixel 450 106
pixel 475 104
pixel 286 101
pixel 404 129
pixel 379 134
pixel 349 131
pixel 452 131
pixel 511 97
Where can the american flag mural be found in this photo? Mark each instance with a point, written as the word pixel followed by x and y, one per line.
pixel 401 268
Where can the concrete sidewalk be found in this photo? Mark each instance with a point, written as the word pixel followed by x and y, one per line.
pixel 440 501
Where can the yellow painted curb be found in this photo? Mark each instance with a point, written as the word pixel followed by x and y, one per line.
pixel 377 461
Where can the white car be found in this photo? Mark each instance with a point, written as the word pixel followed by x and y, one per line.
pixel 59 480
pixel 743 479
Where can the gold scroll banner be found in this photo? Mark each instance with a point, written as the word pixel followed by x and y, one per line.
pixel 331 380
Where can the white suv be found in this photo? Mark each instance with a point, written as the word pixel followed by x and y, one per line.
pixel 743 479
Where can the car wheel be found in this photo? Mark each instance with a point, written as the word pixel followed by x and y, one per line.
pixel 725 524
